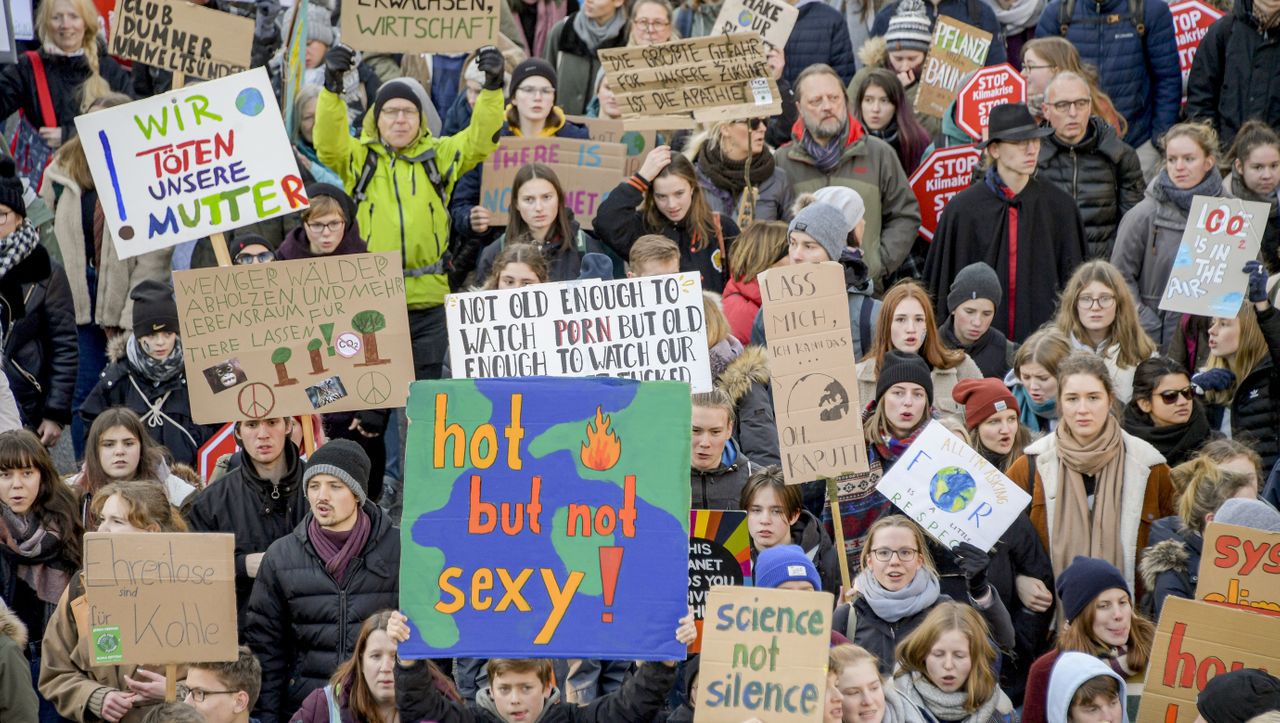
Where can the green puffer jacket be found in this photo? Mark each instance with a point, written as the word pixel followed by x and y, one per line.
pixel 401 210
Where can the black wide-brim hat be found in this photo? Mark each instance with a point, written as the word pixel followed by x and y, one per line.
pixel 1013 122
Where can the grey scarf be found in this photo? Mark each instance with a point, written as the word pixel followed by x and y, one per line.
pixel 1210 185
pixel 948 706
pixel 921 593
pixel 155 370
pixel 593 35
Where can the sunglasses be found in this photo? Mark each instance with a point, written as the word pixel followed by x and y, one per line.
pixel 243 258
pixel 1171 396
pixel 753 123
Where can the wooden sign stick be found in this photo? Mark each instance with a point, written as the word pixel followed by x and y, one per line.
pixel 170 682
pixel 833 498
pixel 308 435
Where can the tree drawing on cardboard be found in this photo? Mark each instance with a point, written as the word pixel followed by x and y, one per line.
pixel 317 360
pixel 369 323
pixel 279 358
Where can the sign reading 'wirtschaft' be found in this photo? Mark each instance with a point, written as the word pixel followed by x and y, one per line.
pixel 413 26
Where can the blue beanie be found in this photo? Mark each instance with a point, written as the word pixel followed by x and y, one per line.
pixel 1085 579
pixel 784 563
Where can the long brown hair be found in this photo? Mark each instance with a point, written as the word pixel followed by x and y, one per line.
pixel 561 228
pixel 94 86
pixel 933 350
pixel 150 457
pixel 348 677
pixel 1252 349
pixel 70 157
pixel 1062 55
pixel 1126 331
pixel 912 137
pixel 1078 636
pixel 55 505
pixel 148 505
pixel 945 617
pixel 759 246
pixel 700 219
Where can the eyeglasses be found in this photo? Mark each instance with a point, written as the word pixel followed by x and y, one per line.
pixel 1171 396
pixel 398 112
pixel 754 124
pixel 1079 104
pixel 325 227
pixel 534 90
pixel 1031 66
pixel 652 24
pixel 198 694
pixel 1102 302
pixel 885 554
pixel 243 258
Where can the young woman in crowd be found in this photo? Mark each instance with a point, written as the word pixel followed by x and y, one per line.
pixel 541 220
pixel 1100 620
pixel 573 45
pixel 664 198
pixel 304 109
pixel 880 104
pixel 651 23
pixel 1095 489
pixel 119 450
pixel 516 267
pixel 1043 58
pixel 1150 233
pixel 40 540
pixel 1164 410
pixel 743 374
pixel 1171 562
pixel 906 324
pixel 991 418
pixel 1242 369
pixel 971 303
pixel 1034 379
pixel 776 516
pixel 68 678
pixel 900 52
pixel 866 695
pixel 1097 313
pixel 736 172
pixel 761 246
pixel 946 668
pixel 1255 176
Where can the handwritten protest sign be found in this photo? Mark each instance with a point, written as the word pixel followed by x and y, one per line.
pixel 772 20
pixel 547 518
pixel 953 492
pixel 946 172
pixel 719 554
pixel 1207 278
pixel 988 88
pixel 1240 567
pixel 1191 21
pixel 203 159
pixel 31 155
pixel 295 64
pixel 716 78
pixel 646 328
pixel 815 390
pixel 1195 642
pixel 185 38
pixel 607 130
pixel 419 26
pixel 327 334
pixel 764 655
pixel 587 170
pixel 8 44
pixel 160 597
pixel 957 49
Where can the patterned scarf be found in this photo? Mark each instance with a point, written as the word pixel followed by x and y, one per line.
pixel 827 157
pixel 17 246
pixel 156 371
pixel 34 546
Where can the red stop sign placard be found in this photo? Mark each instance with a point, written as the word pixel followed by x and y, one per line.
pixel 1191 20
pixel 989 87
pixel 943 174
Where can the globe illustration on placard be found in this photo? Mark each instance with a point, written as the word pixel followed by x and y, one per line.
pixel 634 142
pixel 952 489
pixel 249 102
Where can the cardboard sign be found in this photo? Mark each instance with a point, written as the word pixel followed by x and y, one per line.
pixel 989 87
pixel 1191 20
pixel 160 597
pixel 716 78
pixel 1195 642
pixel 772 20
pixel 1240 567
pixel 607 130
pixel 328 334
pixel 951 491
pixel 588 171
pixel 24 27
pixel 420 26
pixel 295 65
pixel 719 554
pixel 31 155
pixel 202 159
pixel 764 655
pixel 815 387
pixel 8 44
pixel 957 49
pixel 946 172
pixel 1207 278
pixel 646 328
pixel 185 38
pixel 221 443
pixel 546 518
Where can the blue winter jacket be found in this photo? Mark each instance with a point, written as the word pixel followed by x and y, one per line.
pixel 1139 72
pixel 961 10
pixel 820 36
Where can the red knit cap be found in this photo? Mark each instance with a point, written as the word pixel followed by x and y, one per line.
pixel 981 399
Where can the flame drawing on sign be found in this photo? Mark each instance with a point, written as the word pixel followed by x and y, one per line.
pixel 602 448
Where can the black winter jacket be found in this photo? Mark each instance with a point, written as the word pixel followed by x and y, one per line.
pixel 258 511
pixel 1102 174
pixel 992 352
pixel 302 623
pixel 42 350
pixel 65 76
pixel 1254 414
pixel 1170 565
pixel 1233 77
pixel 721 488
pixel 746 381
pixel 881 637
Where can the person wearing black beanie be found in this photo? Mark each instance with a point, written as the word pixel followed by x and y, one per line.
pixel 1238 696
pixel 903 405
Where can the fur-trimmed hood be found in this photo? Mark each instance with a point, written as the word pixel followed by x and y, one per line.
pixel 751 367
pixel 1167 556
pixel 874 53
pixel 11 626
pixel 117 348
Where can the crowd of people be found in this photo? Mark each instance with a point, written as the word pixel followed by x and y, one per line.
pixel 1030 325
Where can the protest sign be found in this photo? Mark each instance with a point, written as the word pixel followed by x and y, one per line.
pixel 23 26
pixel 815 387
pixel 200 42
pixel 951 491
pixel 326 334
pixel 295 64
pixel 222 443
pixel 764 655
pixel 1240 567
pixel 1207 278
pixel 638 142
pixel 198 160
pixel 957 49
pixel 989 87
pixel 569 538
pixel 1195 642
pixel 772 20
pixel 644 328
pixel 719 554
pixel 721 77
pixel 8 44
pixel 160 597
pixel 419 26
pixel 1191 20
pixel 946 172
pixel 588 171
pixel 31 155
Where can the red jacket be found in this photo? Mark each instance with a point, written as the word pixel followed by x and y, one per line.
pixel 741 304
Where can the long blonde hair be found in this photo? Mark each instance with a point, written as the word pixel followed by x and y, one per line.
pixel 1126 331
pixel 1252 349
pixel 1205 486
pixel 95 86
pixel 914 650
pixel 759 246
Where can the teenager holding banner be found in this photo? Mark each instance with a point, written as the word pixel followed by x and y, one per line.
pixel 1099 315
pixel 946 668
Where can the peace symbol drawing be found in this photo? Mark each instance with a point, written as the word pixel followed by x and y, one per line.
pixel 373 387
pixel 257 400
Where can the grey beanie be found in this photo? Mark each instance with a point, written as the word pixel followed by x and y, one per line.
pixel 343 459
pixel 975 281
pixel 319 25
pixel 1248 513
pixel 847 200
pixel 826 224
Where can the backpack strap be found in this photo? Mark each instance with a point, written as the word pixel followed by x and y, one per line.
pixel 1137 15
pixel 1065 11
pixel 366 175
pixel 49 117
pixel 331 702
